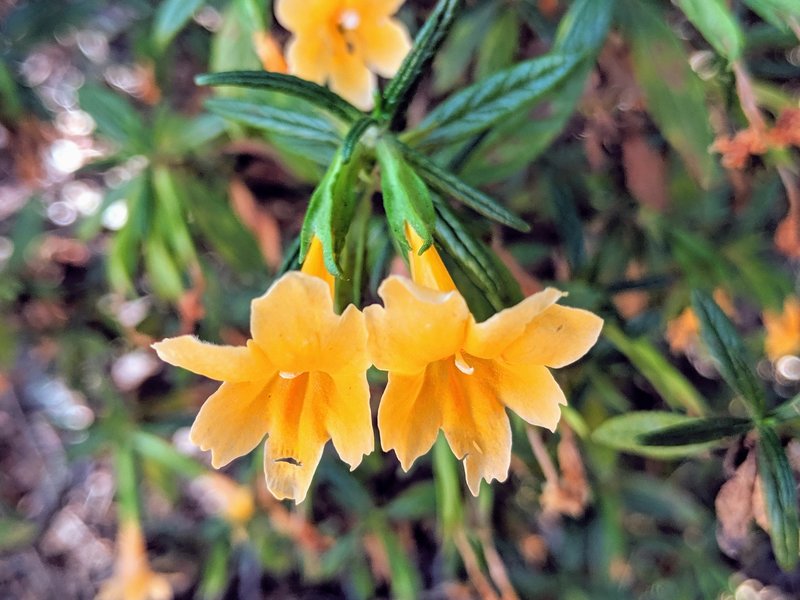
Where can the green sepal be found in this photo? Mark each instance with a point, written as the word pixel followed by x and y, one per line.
pixel 725 345
pixel 285 84
pixel 406 198
pixel 448 184
pixel 780 498
pixel 330 211
pixel 697 431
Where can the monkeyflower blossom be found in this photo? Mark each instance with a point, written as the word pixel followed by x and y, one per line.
pixel 783 330
pixel 448 372
pixel 344 43
pixel 300 380
pixel 133 579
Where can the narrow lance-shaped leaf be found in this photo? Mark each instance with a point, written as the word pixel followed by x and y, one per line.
pixel 428 40
pixel 486 103
pixel 696 431
pixel 717 24
pixel 354 136
pixel 674 93
pixel 171 17
pixel 780 498
pixel 725 345
pixel 286 84
pixel 450 185
pixel 406 198
pixel 625 433
pixel 671 385
pixel 281 121
pixel 779 13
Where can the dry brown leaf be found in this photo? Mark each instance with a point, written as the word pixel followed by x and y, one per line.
pixel 734 507
pixel 759 507
pixel 569 494
pixel 645 172
pixel 633 302
pixel 787 235
pixel 258 220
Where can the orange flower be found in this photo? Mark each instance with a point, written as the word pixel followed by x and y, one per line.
pixel 269 52
pixel 448 372
pixel 783 330
pixel 344 42
pixel 132 578
pixel 301 380
pixel 684 330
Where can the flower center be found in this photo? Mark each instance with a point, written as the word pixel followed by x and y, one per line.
pixel 349 19
pixel 462 364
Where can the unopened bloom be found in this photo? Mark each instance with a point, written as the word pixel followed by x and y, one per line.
pixel 783 330
pixel 133 579
pixel 301 380
pixel 344 43
pixel 448 372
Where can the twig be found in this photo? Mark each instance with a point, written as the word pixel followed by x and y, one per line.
pixel 476 576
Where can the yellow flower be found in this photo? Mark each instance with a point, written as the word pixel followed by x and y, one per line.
pixel 448 372
pixel 132 578
pixel 783 330
pixel 344 42
pixel 301 380
pixel 683 331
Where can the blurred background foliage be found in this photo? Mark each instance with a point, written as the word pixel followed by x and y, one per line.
pixel 135 205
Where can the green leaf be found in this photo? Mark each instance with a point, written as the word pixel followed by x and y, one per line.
pixel 486 103
pixel 16 533
pixel 625 433
pixel 499 45
pixel 171 17
pixel 697 431
pixel 414 66
pixel 285 84
pixel 450 185
pixel 517 141
pixel 330 211
pixel 114 116
pixel 186 136
pixel 723 341
pixel 413 503
pixel 674 93
pixel 780 498
pixel 585 26
pixel 170 217
pixel 671 385
pixel 406 198
pixel 280 121
pixel 777 13
pixel 354 136
pixel 788 411
pixel 717 24
pixel 164 275
pixel 480 264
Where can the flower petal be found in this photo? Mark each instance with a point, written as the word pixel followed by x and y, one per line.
pixel 348 418
pixel 294 320
pixel 305 15
pixel 374 9
pixel 384 44
pixel 477 428
pixel 351 79
pixel 344 344
pixel 297 433
pixel 557 337
pixel 409 415
pixel 418 326
pixel 528 390
pixel 223 363
pixel 307 58
pixel 232 421
pixel 489 338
